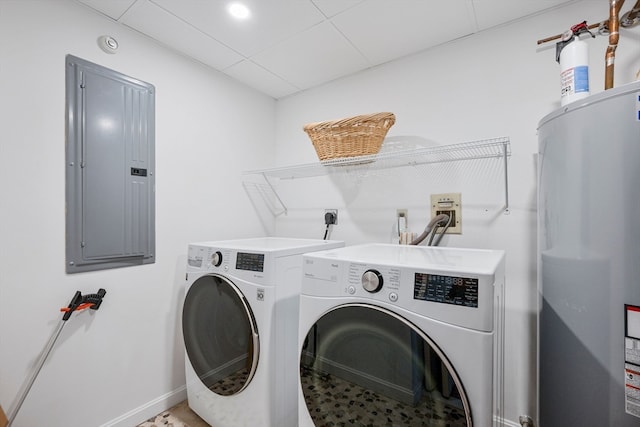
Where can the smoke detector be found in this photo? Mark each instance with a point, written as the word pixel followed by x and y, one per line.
pixel 108 44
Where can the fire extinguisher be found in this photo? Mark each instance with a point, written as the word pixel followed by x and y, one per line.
pixel 573 55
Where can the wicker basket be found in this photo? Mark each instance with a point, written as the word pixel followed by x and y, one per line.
pixel 350 137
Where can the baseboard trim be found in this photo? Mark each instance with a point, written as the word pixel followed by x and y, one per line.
pixel 506 423
pixel 149 409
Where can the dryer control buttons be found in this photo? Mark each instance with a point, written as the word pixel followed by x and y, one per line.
pixel 216 259
pixel 351 289
pixel 393 297
pixel 372 281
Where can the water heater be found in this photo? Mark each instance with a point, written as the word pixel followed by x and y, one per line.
pixel 589 261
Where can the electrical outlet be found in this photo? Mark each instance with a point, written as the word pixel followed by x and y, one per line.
pixel 335 214
pixel 450 204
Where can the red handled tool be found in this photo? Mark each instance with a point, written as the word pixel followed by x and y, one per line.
pixel 78 302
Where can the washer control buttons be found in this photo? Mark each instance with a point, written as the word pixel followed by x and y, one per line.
pixel 372 281
pixel 351 289
pixel 216 259
pixel 393 297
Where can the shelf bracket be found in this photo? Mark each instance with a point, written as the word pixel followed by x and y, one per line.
pixel 505 156
pixel 275 194
pixel 266 191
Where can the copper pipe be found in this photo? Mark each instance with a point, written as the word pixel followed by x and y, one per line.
pixel 632 17
pixel 557 36
pixel 610 55
pixel 627 20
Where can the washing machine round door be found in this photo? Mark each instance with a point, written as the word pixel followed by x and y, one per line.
pixel 220 335
pixel 365 365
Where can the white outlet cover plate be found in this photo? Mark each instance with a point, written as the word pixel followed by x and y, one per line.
pixel 448 202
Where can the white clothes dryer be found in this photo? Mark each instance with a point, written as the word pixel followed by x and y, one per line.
pixel 239 322
pixel 396 335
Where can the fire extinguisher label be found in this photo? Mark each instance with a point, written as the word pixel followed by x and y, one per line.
pixel 581 78
pixel 632 389
pixel 632 359
pixel 566 82
pixel 574 80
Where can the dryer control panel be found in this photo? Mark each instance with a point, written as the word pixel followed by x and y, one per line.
pixel 241 264
pixel 206 258
pixel 250 261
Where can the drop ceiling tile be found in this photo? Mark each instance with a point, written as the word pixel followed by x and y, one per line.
pixel 157 23
pixel 290 45
pixel 395 29
pixel 263 80
pixel 271 21
pixel 490 13
pixel 332 7
pixel 315 56
pixel 113 9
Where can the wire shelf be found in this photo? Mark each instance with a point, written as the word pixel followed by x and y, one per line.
pixel 393 158
pixel 390 156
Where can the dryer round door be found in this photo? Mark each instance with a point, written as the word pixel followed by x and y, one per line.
pixel 365 365
pixel 220 335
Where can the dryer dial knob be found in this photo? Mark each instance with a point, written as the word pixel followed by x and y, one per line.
pixel 372 281
pixel 216 259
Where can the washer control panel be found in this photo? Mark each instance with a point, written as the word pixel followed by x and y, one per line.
pixel 216 258
pixel 380 282
pixel 461 287
pixel 446 289
pixel 372 281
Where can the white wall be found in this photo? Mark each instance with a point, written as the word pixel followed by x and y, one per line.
pixel 124 362
pixel 495 83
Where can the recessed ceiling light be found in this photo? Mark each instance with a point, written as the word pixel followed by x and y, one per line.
pixel 238 10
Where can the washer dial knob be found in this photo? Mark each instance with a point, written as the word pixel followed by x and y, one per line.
pixel 372 281
pixel 216 259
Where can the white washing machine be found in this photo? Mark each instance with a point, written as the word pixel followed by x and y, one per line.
pixel 239 321
pixel 396 335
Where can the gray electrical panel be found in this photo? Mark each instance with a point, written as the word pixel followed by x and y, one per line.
pixel 110 168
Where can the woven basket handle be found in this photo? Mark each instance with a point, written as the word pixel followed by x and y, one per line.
pixel 377 117
pixel 387 119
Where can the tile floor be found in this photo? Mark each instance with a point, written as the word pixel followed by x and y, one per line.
pixel 350 406
pixel 178 416
pixel 335 402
